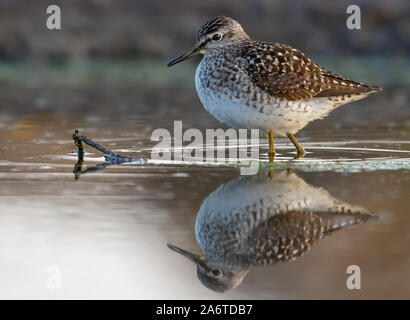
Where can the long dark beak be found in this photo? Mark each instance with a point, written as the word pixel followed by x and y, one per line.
pixel 193 52
pixel 189 255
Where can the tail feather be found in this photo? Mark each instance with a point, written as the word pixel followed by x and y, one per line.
pixel 341 86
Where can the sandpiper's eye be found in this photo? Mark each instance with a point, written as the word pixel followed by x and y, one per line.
pixel 216 37
pixel 216 272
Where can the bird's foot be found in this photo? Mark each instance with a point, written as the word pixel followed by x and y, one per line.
pixel 300 154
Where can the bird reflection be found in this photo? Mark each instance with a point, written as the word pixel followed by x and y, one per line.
pixel 258 220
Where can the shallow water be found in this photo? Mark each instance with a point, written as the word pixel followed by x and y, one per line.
pixel 107 231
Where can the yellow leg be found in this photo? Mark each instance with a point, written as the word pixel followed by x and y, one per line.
pixel 299 148
pixel 271 147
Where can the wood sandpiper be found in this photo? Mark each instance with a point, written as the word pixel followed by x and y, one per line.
pixel 270 86
pixel 254 221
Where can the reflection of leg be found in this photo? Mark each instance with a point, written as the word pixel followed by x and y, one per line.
pixel 299 148
pixel 270 174
pixel 271 147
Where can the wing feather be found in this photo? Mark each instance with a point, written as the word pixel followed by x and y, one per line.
pixel 286 72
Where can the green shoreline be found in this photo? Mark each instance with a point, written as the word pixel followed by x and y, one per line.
pixel 381 70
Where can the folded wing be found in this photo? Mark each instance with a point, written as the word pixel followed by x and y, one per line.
pixel 286 72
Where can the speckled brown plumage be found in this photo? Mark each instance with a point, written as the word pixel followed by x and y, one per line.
pixel 286 72
pixel 262 85
pixel 275 220
pixel 287 236
pixel 249 238
pixel 257 221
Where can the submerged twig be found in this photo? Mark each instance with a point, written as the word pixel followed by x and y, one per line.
pixel 111 158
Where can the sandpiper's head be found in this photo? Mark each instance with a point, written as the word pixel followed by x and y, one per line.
pixel 213 274
pixel 218 33
pixel 214 36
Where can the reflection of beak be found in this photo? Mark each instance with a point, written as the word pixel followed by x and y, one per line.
pixel 189 255
pixel 193 52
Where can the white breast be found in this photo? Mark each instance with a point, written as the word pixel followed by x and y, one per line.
pixel 225 99
pixel 228 93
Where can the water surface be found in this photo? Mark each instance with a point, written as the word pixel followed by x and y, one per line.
pixel 108 230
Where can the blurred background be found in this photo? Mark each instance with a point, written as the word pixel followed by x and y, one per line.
pixel 108 60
